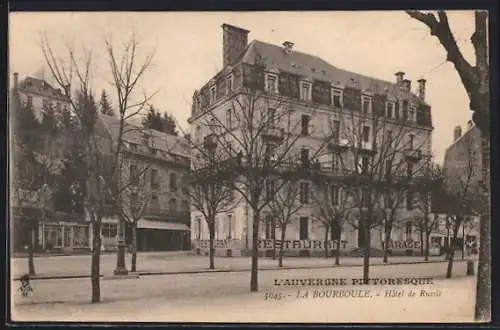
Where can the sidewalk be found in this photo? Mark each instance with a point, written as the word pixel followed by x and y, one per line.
pixel 163 263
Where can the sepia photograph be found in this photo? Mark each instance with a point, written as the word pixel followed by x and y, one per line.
pixel 254 167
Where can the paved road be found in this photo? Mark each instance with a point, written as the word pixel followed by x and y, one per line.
pixel 165 262
pixel 212 296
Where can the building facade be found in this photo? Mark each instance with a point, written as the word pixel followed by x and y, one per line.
pixel 318 102
pixel 155 165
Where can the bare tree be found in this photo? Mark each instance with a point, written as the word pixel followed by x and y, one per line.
pixel 475 79
pixel 379 157
pixel 461 192
pixel 71 73
pixel 127 70
pixel 426 222
pixel 332 207
pixel 261 130
pixel 284 204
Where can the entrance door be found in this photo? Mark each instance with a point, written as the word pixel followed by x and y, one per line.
pixel 304 228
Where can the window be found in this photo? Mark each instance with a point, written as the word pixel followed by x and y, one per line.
pixel 409 200
pixel 229 226
pixel 304 228
pixel 46 104
pixel 389 138
pixel 154 179
pixel 80 237
pixel 335 195
pixel 336 130
pixel 134 175
pixel 408 229
pixel 29 100
pixel 366 133
pixel 305 119
pixel 412 114
pixel 53 236
pixel 271 83
pixel 388 167
pixel 173 182
pixel 268 226
pixel 213 94
pixel 154 202
pixel 271 113
pixel 366 104
pixel 304 192
pixel 270 189
pixel 411 139
pixel 409 169
pixel 109 230
pixel 365 197
pixel 172 204
pixel 405 110
pixel 229 85
pixel 335 163
pixel 229 119
pixel 198 228
pixel 305 91
pixel 337 98
pixel 304 157
pixel 389 109
pixel 365 161
pixel 185 205
pixel 387 199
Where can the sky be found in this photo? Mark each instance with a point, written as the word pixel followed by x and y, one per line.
pixel 188 51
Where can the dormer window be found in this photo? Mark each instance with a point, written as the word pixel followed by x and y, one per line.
pixel 366 104
pixel 229 84
pixel 390 109
pixel 412 113
pixel 271 83
pixel 337 98
pixel 305 90
pixel 213 94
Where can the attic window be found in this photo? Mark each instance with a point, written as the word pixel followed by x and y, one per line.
pixel 390 107
pixel 271 83
pixel 229 84
pixel 337 98
pixel 213 94
pixel 366 104
pixel 305 90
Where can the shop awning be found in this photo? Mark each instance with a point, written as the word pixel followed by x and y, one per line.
pixel 151 224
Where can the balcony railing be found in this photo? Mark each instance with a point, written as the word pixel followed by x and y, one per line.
pixel 413 154
pixel 273 133
pixel 168 215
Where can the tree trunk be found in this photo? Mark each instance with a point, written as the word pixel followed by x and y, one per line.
pixel 421 242
pixel 211 253
pixel 254 286
pixel 335 237
pixel 483 285
pixel 95 272
pixel 337 255
pixel 282 246
pixel 273 236
pixel 121 269
pixel 451 253
pixel 133 266
pixel 31 251
pixel 387 238
pixel 327 229
pixel 366 255
pixel 427 243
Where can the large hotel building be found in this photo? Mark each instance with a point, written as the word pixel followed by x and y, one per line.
pixel 321 100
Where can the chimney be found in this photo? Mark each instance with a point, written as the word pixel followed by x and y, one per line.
pixel 457 133
pixel 399 77
pixel 16 80
pixel 288 46
pixel 407 85
pixel 234 42
pixel 421 88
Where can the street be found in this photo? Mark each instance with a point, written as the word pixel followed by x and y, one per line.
pixel 165 262
pixel 225 297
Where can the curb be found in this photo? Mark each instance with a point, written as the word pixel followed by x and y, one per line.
pixel 236 270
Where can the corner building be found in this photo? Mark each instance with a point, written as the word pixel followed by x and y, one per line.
pixel 325 101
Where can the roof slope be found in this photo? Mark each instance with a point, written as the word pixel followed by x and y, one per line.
pixel 41 87
pixel 274 57
pixel 135 134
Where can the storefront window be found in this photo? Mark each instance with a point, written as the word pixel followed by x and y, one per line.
pixel 52 236
pixel 109 230
pixel 80 237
